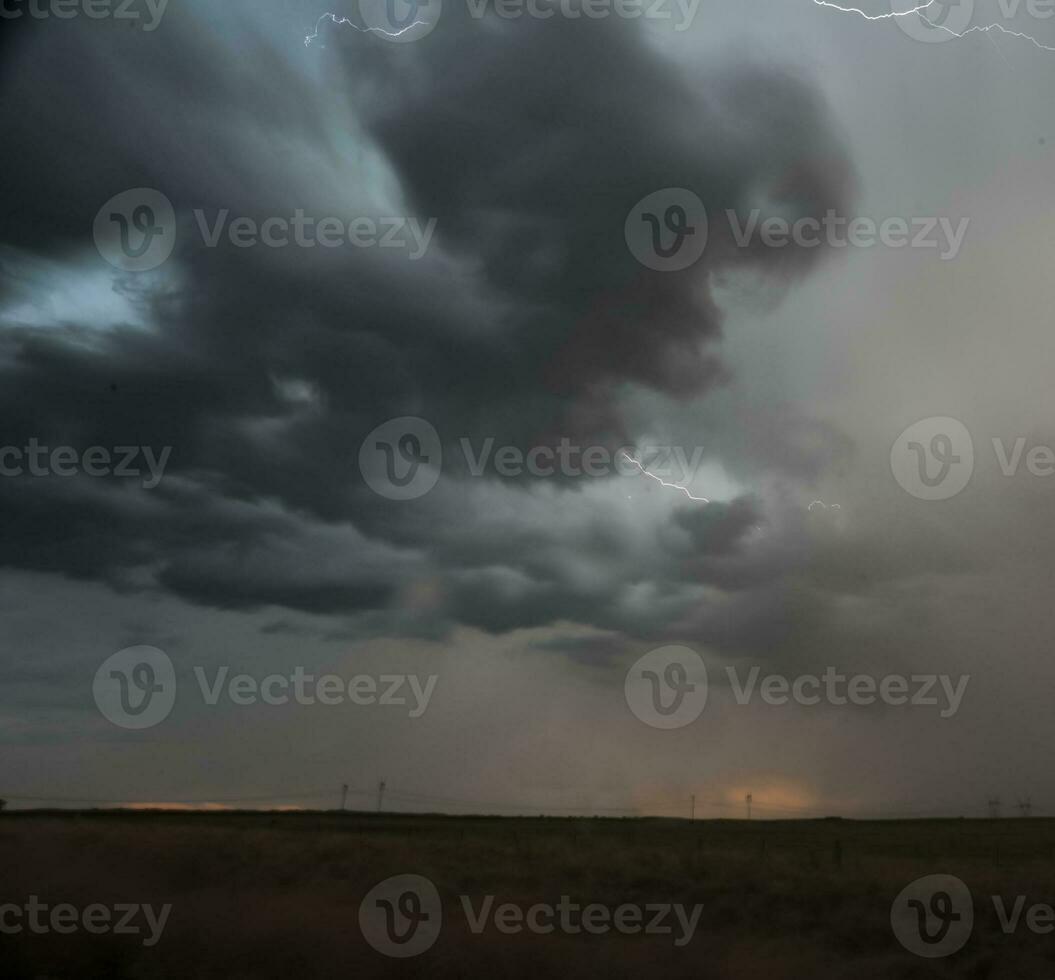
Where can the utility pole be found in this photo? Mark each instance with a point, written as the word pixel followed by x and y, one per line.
pixel 747 800
pixel 692 808
pixel 380 794
pixel 994 808
pixel 344 796
pixel 1025 806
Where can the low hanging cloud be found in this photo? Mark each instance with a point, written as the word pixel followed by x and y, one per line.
pixel 526 322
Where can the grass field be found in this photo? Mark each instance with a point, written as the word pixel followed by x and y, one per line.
pixel 261 895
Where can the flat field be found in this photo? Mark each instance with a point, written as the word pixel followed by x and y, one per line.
pixel 278 895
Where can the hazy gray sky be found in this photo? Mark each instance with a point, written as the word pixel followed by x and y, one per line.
pixel 264 547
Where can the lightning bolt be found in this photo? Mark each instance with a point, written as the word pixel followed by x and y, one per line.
pixel 663 483
pixel 703 500
pixel 893 13
pixel 339 21
pixel 941 27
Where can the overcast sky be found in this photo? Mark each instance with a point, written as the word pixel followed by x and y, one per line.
pixel 526 319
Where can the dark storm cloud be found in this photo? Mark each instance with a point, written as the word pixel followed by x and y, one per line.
pixel 529 142
pixel 717 529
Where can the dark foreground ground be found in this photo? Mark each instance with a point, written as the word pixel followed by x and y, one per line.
pixel 262 895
